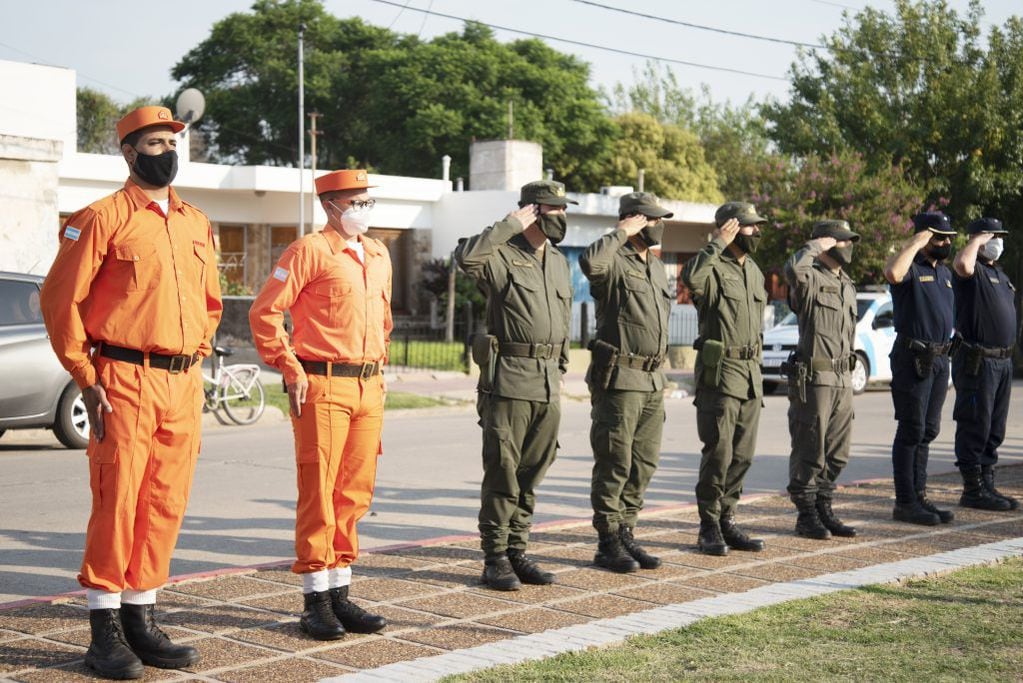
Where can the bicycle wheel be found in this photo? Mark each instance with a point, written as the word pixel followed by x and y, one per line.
pixel 243 407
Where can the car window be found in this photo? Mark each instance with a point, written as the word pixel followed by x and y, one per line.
pixel 19 303
pixel 863 305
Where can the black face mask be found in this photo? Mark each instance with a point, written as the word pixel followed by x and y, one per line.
pixel 652 234
pixel 939 252
pixel 553 225
pixel 157 170
pixel 841 254
pixel 747 243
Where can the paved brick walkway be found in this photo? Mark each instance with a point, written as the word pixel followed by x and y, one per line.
pixel 245 623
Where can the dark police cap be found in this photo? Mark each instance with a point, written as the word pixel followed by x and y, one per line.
pixel 549 192
pixel 744 212
pixel 935 221
pixel 833 228
pixel 986 225
pixel 644 203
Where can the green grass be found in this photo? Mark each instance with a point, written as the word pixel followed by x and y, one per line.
pixel 962 626
pixel 275 396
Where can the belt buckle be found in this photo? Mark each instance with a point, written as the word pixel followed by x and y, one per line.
pixel 542 351
pixel 368 370
pixel 178 364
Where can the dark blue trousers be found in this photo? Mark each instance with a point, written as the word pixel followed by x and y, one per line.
pixel 981 410
pixel 918 403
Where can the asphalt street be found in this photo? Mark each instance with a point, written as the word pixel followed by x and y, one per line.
pixel 243 498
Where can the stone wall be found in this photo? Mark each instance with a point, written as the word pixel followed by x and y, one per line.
pixel 29 221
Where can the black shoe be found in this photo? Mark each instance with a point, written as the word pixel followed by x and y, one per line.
pixel 109 654
pixel 527 570
pixel 150 643
pixel 352 617
pixel 611 554
pixel 318 618
pixel 499 574
pixel 737 539
pixel 808 523
pixel 946 516
pixel 710 541
pixel 831 521
pixel 915 513
pixel 645 559
pixel 987 473
pixel 976 494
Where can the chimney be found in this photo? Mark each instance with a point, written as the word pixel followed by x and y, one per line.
pixel 504 164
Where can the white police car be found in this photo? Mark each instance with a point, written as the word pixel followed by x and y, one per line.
pixel 875 335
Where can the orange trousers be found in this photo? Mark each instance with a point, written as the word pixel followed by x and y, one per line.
pixel 140 474
pixel 337 441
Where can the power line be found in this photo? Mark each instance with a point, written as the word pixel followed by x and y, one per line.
pixel 589 45
pixel 836 4
pixel 701 27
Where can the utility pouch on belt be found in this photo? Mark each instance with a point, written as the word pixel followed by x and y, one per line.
pixel 974 359
pixel 484 354
pixel 798 374
pixel 604 358
pixel 710 355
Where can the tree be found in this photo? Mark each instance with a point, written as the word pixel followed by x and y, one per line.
pixel 97 117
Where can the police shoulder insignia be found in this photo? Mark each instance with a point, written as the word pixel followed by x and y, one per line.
pixel 926 278
pixel 72 233
pixel 280 274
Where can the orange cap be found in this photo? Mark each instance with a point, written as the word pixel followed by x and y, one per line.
pixel 143 117
pixel 347 179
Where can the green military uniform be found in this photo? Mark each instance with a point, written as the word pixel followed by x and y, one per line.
pixel 730 299
pixel 529 298
pixel 820 378
pixel 625 379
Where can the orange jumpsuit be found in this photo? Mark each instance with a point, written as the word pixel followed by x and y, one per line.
pixel 341 308
pixel 126 275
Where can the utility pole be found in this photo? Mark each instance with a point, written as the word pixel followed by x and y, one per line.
pixel 313 133
pixel 301 130
pixel 449 318
pixel 511 120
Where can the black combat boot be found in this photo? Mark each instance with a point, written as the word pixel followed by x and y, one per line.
pixel 915 513
pixel 987 473
pixel 352 617
pixel 611 554
pixel 499 574
pixel 318 618
pixel 808 523
pixel 946 516
pixel 737 539
pixel 976 494
pixel 645 559
pixel 150 643
pixel 831 521
pixel 109 654
pixel 527 570
pixel 710 541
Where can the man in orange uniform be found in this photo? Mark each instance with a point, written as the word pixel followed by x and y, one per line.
pixel 130 304
pixel 337 285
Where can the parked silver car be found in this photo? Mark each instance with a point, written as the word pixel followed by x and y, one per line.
pixel 36 392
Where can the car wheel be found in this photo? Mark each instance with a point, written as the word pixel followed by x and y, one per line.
pixel 71 426
pixel 860 374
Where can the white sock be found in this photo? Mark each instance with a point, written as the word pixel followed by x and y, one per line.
pixel 132 597
pixel 340 576
pixel 315 582
pixel 100 599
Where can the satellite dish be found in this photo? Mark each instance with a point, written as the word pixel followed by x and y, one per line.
pixel 190 106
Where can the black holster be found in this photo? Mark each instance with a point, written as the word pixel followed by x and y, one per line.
pixel 603 363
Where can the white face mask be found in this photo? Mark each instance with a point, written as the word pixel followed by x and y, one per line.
pixel 992 249
pixel 354 221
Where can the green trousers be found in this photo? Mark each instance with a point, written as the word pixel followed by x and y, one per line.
pixel 821 430
pixel 520 441
pixel 727 426
pixel 626 441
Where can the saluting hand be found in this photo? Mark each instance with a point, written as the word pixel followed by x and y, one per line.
pixel 296 396
pixel 632 224
pixel 728 231
pixel 526 215
pixel 96 404
pixel 982 238
pixel 824 242
pixel 920 239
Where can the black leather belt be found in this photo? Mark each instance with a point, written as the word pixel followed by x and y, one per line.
pixel 742 352
pixel 921 346
pixel 995 352
pixel 530 350
pixel 363 370
pixel 647 363
pixel 172 364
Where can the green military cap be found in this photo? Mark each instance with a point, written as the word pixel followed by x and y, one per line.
pixel 744 212
pixel 549 192
pixel 644 203
pixel 833 228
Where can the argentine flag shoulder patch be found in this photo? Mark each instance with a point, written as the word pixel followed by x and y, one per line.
pixel 281 274
pixel 72 233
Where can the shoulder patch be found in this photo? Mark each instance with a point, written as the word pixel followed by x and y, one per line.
pixel 280 274
pixel 72 233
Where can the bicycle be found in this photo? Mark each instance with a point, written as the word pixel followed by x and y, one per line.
pixel 235 388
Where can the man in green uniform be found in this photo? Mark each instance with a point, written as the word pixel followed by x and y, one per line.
pixel 626 383
pixel 522 357
pixel 728 289
pixel 820 375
